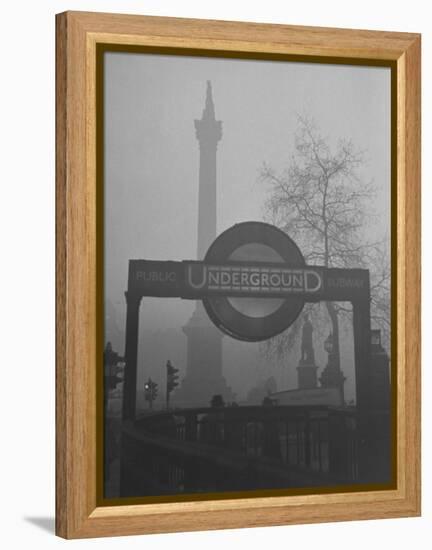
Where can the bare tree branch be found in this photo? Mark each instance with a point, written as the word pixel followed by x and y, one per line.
pixel 321 201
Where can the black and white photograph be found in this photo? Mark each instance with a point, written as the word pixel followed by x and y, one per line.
pixel 216 275
pixel 247 276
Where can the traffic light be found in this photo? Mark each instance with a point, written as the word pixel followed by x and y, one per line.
pixel 150 391
pixel 172 380
pixel 172 377
pixel 112 369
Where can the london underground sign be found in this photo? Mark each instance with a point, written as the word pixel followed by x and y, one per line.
pixel 253 283
pixel 193 280
pixel 275 300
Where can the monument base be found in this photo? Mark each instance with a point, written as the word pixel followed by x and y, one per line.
pixel 307 375
pixel 333 377
pixel 203 377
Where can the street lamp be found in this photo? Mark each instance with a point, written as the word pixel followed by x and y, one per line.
pixel 328 344
pixel 332 376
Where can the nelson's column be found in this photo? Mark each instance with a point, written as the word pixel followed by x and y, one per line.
pixel 203 377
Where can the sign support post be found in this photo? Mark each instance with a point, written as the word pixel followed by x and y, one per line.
pixel 362 354
pixel 133 301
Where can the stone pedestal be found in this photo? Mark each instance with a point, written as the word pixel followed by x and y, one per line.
pixel 203 377
pixel 333 377
pixel 306 375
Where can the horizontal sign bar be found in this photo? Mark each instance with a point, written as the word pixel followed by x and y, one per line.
pixel 196 280
pixel 251 280
pixel 153 278
pixel 342 284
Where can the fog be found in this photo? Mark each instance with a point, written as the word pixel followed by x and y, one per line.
pixel 151 178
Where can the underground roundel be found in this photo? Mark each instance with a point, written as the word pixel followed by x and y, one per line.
pixel 249 244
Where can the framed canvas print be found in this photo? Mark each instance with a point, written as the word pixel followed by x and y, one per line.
pixel 238 252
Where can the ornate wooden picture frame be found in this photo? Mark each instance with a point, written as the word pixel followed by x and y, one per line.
pixel 83 506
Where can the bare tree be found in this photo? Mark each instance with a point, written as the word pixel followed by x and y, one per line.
pixel 323 204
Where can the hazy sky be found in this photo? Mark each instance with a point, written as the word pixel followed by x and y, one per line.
pixel 151 153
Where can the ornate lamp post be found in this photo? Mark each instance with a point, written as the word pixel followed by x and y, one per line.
pixel 307 369
pixel 328 343
pixel 332 376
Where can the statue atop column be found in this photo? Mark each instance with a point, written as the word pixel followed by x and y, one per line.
pixel 307 370
pixel 307 350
